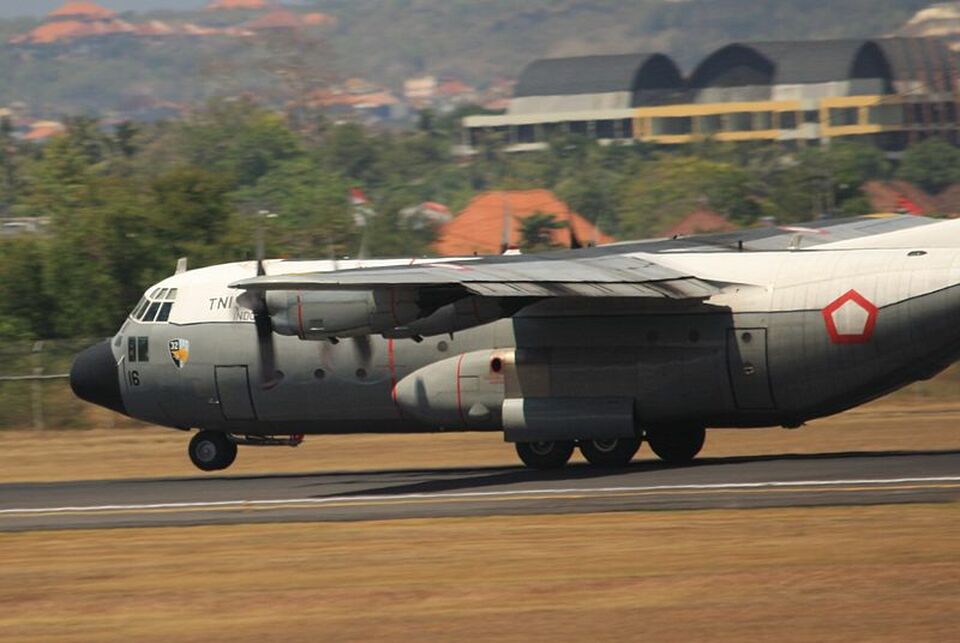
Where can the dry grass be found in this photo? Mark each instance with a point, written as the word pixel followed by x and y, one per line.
pixel 854 573
pixel 150 451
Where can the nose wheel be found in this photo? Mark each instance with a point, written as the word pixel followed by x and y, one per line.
pixel 212 451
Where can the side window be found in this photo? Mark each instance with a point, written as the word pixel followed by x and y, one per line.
pixel 138 349
pixel 143 349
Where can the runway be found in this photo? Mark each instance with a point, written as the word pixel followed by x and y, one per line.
pixel 767 481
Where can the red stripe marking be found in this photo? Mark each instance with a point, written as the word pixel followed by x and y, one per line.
pixel 392 365
pixel 459 395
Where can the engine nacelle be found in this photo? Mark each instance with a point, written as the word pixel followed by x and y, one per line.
pixel 461 314
pixel 464 392
pixel 509 389
pixel 322 314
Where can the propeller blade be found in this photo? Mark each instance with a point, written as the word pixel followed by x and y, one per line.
pixel 265 347
pixel 269 374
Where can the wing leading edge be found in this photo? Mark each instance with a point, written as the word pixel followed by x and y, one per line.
pixel 611 276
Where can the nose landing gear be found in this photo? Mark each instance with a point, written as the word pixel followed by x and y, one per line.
pixel 216 450
pixel 212 450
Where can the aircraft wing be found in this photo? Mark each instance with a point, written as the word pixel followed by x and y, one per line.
pixel 519 276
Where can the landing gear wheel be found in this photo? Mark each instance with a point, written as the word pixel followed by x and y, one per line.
pixel 545 455
pixel 212 451
pixel 615 452
pixel 676 444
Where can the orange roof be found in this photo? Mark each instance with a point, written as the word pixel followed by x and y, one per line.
pixel 276 19
pixel 86 10
pixel 700 221
pixel 316 19
pixel 43 131
pixel 60 30
pixel 479 228
pixel 226 5
pixel 899 196
pixel 66 29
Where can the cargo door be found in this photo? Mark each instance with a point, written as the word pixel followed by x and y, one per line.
pixel 747 364
pixel 233 391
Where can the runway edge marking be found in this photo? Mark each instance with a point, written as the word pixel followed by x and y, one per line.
pixel 279 502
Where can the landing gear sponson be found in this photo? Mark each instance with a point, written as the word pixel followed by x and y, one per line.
pixel 674 445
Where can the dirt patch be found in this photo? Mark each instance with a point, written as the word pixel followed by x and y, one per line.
pixel 853 573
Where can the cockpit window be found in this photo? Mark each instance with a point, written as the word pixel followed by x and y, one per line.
pixel 164 313
pixel 155 307
pixel 139 307
pixel 152 311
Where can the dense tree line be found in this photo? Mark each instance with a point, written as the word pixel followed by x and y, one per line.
pixel 125 202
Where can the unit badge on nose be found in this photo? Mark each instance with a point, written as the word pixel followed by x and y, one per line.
pixel 179 351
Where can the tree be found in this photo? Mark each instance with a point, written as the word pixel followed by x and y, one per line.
pixel 932 164
pixel 191 212
pixel 671 186
pixel 536 231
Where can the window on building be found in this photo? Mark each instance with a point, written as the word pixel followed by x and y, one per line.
pixel 885 115
pixel 811 116
pixel 626 127
pixel 788 120
pixel 578 127
pixel 711 124
pixel 842 116
pixel 525 134
pixel 740 121
pixel 606 129
pixel 762 120
pixel 671 125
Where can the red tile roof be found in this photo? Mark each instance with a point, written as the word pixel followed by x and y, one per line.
pixel 479 228
pixel 276 19
pixel 227 5
pixel 899 196
pixel 88 10
pixel 700 221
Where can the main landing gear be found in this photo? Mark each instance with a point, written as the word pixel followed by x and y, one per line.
pixel 216 450
pixel 674 445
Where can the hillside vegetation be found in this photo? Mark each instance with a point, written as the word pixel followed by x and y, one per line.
pixel 389 40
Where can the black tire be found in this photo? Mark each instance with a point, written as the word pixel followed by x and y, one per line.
pixel 212 451
pixel 676 444
pixel 545 455
pixel 616 452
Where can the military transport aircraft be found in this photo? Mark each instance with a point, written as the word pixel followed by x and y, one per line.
pixel 597 348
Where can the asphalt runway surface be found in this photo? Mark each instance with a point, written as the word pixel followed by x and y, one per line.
pixel 743 482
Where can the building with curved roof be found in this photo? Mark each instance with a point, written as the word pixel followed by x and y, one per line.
pixel 890 90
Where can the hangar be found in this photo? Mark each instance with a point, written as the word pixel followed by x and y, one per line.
pixel 889 91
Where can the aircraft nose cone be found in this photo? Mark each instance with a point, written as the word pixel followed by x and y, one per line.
pixel 94 377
